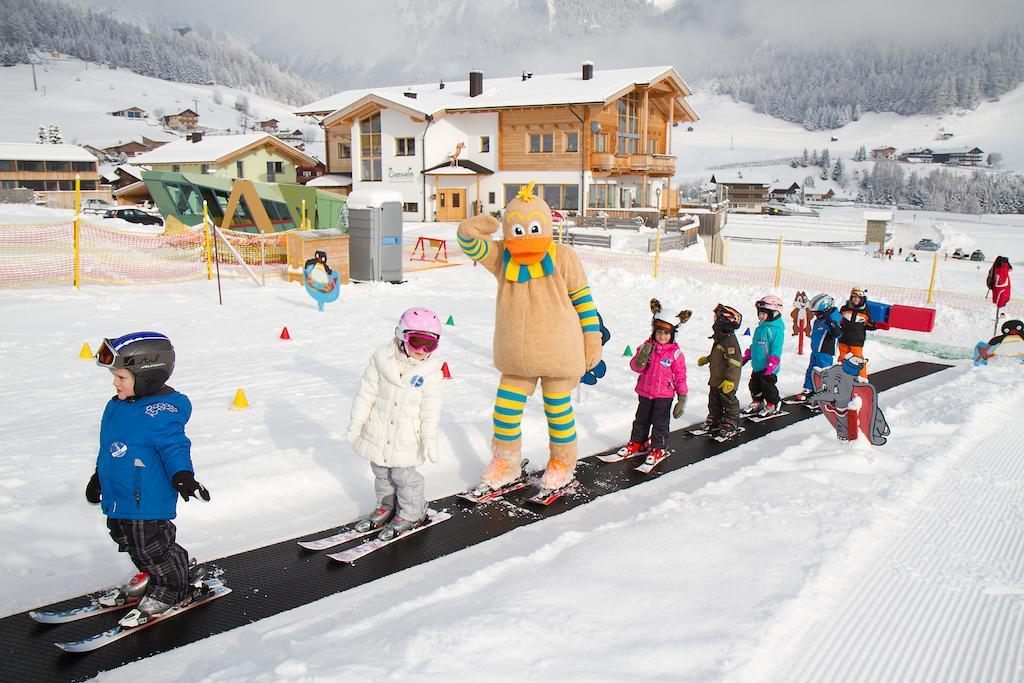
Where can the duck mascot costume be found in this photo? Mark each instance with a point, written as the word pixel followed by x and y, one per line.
pixel 547 330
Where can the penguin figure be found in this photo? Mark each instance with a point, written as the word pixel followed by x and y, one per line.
pixel 1010 328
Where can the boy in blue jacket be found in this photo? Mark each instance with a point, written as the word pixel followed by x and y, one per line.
pixel 765 356
pixel 142 467
pixel 825 332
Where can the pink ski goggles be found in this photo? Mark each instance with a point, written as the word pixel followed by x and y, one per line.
pixel 421 340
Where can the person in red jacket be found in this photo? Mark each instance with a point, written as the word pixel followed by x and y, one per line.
pixel 998 282
pixel 662 368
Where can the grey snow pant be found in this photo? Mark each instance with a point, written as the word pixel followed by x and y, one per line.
pixel 403 483
pixel 150 544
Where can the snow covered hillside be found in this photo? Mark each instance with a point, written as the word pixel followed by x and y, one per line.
pixel 759 565
pixel 731 132
pixel 79 96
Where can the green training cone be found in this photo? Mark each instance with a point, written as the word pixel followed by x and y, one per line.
pixel 450 321
pixel 628 353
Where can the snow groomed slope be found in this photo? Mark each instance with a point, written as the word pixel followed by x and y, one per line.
pixel 279 577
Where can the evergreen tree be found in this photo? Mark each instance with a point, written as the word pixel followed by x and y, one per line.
pixel 53 135
pixel 809 181
pixel 805 160
pixel 42 138
pixel 826 162
pixel 838 172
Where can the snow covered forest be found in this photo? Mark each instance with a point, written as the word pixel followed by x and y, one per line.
pixel 95 36
pixel 824 89
pixel 944 190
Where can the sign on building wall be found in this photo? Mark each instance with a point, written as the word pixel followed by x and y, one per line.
pixel 398 175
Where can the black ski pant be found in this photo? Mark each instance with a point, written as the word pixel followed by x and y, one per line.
pixel 652 417
pixel 763 387
pixel 150 544
pixel 723 407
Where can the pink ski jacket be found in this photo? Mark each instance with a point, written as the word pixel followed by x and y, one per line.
pixel 665 374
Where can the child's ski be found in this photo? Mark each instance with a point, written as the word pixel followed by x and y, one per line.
pixel 758 418
pixel 652 461
pixel 90 610
pixel 622 454
pixel 214 589
pixel 549 496
pixel 702 431
pixel 723 439
pixel 367 547
pixel 483 493
pixel 337 539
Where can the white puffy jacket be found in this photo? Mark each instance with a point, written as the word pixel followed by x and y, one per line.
pixel 394 416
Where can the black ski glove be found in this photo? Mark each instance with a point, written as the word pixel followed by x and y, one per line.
pixel 92 489
pixel 185 483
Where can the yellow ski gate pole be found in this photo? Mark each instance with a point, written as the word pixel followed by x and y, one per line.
pixel 206 234
pixel 778 264
pixel 931 284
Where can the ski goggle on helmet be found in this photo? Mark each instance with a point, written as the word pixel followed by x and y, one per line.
pixel 147 355
pixel 770 303
pixel 419 328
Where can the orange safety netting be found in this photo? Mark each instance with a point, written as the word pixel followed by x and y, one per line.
pixel 762 277
pixel 45 254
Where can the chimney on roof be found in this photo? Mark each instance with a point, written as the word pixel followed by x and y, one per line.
pixel 195 137
pixel 588 70
pixel 441 85
pixel 476 83
pixel 525 76
pixel 410 94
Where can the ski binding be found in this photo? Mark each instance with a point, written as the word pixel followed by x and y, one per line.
pixel 366 547
pixel 549 496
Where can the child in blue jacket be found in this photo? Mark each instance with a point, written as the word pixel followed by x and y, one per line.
pixel 765 356
pixel 142 467
pixel 825 332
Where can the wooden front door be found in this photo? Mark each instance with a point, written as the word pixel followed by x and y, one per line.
pixel 451 205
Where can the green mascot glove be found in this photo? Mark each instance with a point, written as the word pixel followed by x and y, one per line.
pixel 677 412
pixel 703 360
pixel 643 354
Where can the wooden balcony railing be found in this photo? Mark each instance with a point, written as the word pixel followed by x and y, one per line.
pixel 656 164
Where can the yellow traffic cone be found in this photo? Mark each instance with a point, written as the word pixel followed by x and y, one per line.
pixel 85 353
pixel 240 402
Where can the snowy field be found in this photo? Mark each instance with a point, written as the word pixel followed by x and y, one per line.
pixel 763 564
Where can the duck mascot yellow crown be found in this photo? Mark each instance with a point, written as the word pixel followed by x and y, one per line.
pixel 546 330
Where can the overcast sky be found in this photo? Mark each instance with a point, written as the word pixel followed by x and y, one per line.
pixel 368 31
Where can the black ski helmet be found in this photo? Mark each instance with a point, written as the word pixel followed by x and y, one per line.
pixel 149 356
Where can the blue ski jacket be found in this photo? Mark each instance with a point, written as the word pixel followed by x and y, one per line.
pixel 143 445
pixel 826 331
pixel 766 342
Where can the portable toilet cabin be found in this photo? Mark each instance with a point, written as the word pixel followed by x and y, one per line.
pixel 375 235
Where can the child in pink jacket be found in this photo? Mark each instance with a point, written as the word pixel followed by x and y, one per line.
pixel 662 368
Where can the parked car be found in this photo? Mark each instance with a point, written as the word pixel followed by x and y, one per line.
pixel 96 206
pixel 926 245
pixel 133 215
pixel 960 254
pixel 977 255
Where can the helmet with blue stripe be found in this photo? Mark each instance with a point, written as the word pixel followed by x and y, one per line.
pixel 149 356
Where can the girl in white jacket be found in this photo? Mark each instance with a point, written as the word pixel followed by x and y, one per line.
pixel 394 421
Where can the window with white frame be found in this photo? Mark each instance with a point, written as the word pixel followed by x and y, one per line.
pixel 485 143
pixel 344 150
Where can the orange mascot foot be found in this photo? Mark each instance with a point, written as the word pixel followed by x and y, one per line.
pixel 506 465
pixel 561 466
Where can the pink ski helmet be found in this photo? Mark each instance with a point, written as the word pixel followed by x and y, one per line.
pixel 420 328
pixel 770 302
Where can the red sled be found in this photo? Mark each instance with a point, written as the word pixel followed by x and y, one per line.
pixel 912 318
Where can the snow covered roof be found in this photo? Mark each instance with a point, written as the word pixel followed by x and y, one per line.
pixel 132 170
pixel 538 90
pixel 32 152
pixel 878 215
pixel 215 149
pixel 331 180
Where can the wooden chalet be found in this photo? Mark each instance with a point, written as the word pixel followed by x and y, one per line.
pixel 461 148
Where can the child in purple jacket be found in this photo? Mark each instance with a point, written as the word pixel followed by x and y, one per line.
pixel 662 369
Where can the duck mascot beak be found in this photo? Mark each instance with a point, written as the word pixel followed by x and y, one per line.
pixel 527 227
